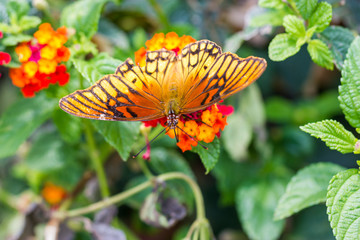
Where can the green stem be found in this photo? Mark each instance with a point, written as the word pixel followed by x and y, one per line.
pixel 128 193
pixel 96 160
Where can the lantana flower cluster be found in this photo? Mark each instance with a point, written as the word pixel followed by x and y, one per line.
pixel 41 60
pixel 202 125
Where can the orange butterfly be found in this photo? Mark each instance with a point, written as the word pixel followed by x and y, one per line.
pixel 169 85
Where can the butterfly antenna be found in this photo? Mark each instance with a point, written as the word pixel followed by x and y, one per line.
pixel 203 146
pixel 134 156
pixel 197 120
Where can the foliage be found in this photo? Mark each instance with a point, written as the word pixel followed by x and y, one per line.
pixel 263 168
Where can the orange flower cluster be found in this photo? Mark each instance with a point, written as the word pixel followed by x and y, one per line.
pixel 170 41
pixel 40 61
pixel 202 125
pixel 53 194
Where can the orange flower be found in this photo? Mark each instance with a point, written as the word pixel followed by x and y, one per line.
pixel 40 58
pixel 156 42
pixel 23 51
pixel 140 56
pixel 47 66
pixel 53 194
pixel 202 125
pixel 30 68
pixel 44 34
pixel 48 52
pixel 172 41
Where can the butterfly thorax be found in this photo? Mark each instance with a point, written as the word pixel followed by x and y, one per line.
pixel 172 119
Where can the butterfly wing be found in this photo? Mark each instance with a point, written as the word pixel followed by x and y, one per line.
pixel 225 76
pixel 131 94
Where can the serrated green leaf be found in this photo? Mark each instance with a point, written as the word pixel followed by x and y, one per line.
pixel 270 17
pixel 307 188
pixel 237 136
pixel 306 7
pixel 321 17
pixel 333 133
pixel 255 204
pixel 27 22
pixel 339 40
pixel 49 153
pixel 309 33
pixel 277 4
pixel 350 81
pixel 294 26
pixel 13 40
pixel 210 156
pixel 282 47
pixel 83 16
pixel 343 204
pixel 97 68
pixel 20 120
pixel 120 135
pixel 320 54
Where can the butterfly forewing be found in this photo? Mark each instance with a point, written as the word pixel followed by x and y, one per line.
pixel 227 75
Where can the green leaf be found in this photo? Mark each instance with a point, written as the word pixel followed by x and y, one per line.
pixel 17 8
pixel 307 188
pixel 237 136
pixel 68 126
pixel 339 40
pixel 320 54
pixel 321 17
pixel 255 204
pixel 343 204
pixel 277 4
pixel 163 160
pixel 350 81
pixel 13 40
pixel 269 17
pixel 306 7
pixel 333 134
pixel 49 153
pixel 83 16
pixel 282 47
pixel 20 120
pixel 294 26
pixel 210 156
pixel 97 68
pixel 120 135
pixel 27 22
pixel 234 42
pixel 252 106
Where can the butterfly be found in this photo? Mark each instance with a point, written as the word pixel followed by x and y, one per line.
pixel 169 85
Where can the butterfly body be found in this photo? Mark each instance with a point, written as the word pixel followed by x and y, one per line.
pixel 169 85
